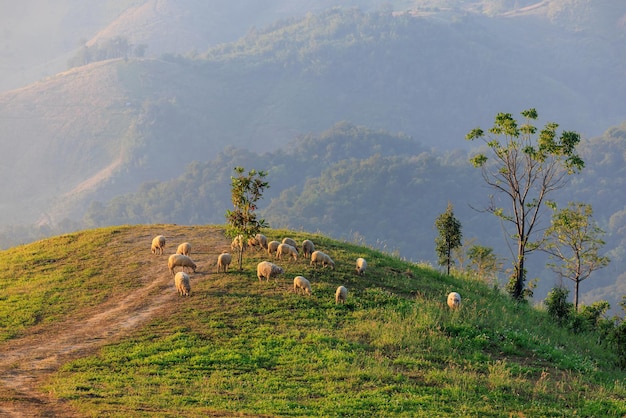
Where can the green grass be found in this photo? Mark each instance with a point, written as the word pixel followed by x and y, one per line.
pixel 394 349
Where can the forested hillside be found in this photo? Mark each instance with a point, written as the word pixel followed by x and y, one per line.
pixel 103 129
pixel 383 190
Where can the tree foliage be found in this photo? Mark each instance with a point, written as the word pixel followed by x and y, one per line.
pixel 573 241
pixel 449 238
pixel 484 261
pixel 527 166
pixel 247 189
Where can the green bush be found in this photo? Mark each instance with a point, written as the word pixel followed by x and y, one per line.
pixel 557 305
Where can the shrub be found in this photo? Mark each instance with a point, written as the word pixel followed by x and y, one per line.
pixel 558 307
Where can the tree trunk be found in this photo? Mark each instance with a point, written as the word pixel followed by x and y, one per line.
pixel 518 292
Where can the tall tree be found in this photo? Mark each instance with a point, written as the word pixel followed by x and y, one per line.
pixel 449 236
pixel 525 169
pixel 573 241
pixel 246 190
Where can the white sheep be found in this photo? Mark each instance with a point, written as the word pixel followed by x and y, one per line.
pixel 454 300
pixel 223 261
pixel 238 243
pixel 341 294
pixel 158 244
pixel 321 257
pixel 267 270
pixel 307 248
pixel 180 260
pixel 184 249
pixel 272 246
pixel 361 265
pixel 183 286
pixel 262 240
pixel 258 239
pixel 291 242
pixel 301 283
pixel 287 250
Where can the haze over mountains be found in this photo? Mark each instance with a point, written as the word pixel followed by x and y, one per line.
pixel 155 85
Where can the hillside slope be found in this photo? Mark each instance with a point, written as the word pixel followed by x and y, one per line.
pixel 103 129
pixel 97 329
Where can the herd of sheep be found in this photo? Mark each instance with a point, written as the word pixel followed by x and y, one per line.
pixel 265 269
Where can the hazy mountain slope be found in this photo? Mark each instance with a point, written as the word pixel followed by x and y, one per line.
pixel 39 37
pixel 432 78
pixel 61 136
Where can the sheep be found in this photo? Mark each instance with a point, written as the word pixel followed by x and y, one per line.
pixel 223 261
pixel 158 244
pixel 341 294
pixel 321 257
pixel 454 300
pixel 272 246
pixel 361 265
pixel 181 280
pixel 290 242
pixel 258 239
pixel 307 248
pixel 180 260
pixel 262 240
pixel 184 249
pixel 300 283
pixel 238 243
pixel 268 270
pixel 288 250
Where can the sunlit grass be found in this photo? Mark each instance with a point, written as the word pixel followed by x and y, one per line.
pixel 394 349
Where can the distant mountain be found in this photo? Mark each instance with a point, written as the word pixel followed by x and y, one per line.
pixel 96 131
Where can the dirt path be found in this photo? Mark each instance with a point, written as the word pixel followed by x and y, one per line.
pixel 26 361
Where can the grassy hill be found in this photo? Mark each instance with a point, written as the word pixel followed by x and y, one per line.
pixel 94 327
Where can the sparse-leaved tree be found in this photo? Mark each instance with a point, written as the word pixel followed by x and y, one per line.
pixel 524 170
pixel 484 262
pixel 449 238
pixel 246 190
pixel 573 241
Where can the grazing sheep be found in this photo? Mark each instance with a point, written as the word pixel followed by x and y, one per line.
pixel 321 257
pixel 272 247
pixel 258 239
pixel 223 261
pixel 184 249
pixel 307 248
pixel 288 250
pixel 268 270
pixel 262 239
pixel 238 243
pixel 300 283
pixel 361 265
pixel 341 294
pixel 158 244
pixel 454 300
pixel 180 260
pixel 181 280
pixel 290 242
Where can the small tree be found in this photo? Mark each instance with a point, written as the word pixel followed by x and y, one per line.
pixel 246 190
pixel 484 262
pixel 525 171
pixel 449 236
pixel 558 307
pixel 573 241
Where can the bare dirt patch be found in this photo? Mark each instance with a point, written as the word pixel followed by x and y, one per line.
pixel 26 361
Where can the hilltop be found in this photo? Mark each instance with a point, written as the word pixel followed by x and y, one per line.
pixel 95 328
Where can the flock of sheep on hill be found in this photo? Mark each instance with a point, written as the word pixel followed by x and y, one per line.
pixel 265 269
